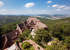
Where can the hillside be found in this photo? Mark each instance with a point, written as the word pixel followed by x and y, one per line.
pixel 52 23
pixel 57 33
pixel 5 19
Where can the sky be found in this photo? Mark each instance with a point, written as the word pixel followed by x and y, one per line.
pixel 21 7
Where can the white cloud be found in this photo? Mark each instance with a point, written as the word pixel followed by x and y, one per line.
pixel 1 3
pixel 55 5
pixel 49 2
pixel 61 6
pixel 3 11
pixel 27 11
pixel 58 9
pixel 66 8
pixel 28 5
pixel 20 12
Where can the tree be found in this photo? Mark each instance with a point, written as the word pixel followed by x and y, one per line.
pixel 24 35
pixel 66 29
pixel 67 42
pixel 7 28
pixel 61 31
pixel 42 36
pixel 56 45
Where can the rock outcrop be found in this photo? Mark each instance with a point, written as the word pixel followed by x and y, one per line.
pixel 31 23
pixel 35 23
pixel 8 39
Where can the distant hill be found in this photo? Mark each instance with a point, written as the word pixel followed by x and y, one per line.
pixel 52 23
pixel 5 19
pixel 55 16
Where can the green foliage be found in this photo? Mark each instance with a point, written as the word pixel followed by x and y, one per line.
pixel 56 45
pixel 67 42
pixel 60 29
pixel 7 28
pixel 8 23
pixel 25 35
pixel 11 19
pixel 51 23
pixel 42 36
pixel 27 46
pixel 66 29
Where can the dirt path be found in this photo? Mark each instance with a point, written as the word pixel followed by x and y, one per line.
pixel 35 45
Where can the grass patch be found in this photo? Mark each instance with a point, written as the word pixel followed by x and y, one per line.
pixel 27 46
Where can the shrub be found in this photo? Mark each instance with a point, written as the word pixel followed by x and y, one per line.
pixel 27 46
